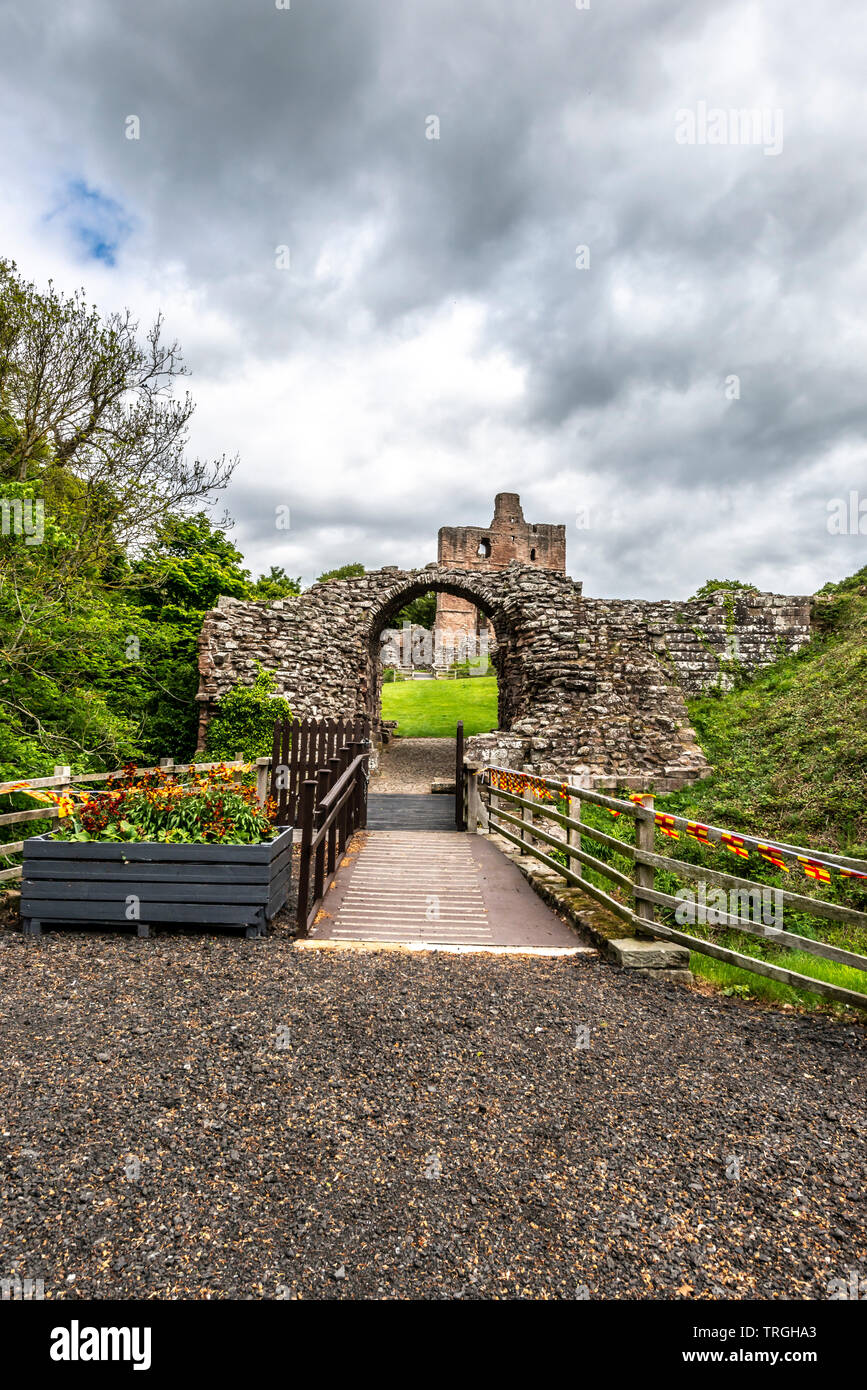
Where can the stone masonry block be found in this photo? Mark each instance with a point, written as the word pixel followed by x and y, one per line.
pixel 631 953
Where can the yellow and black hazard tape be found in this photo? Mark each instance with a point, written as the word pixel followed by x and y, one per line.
pixel 519 783
pixel 742 846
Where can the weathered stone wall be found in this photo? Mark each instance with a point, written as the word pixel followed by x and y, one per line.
pixel 702 641
pixel 589 687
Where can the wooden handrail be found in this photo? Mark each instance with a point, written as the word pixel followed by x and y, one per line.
pixel 751 927
pixel 338 785
pixel 622 880
pixel 820 907
pixel 334 811
pixel 681 823
pixel 645 895
pixel 620 846
pixel 612 803
pixel 332 808
pixel 760 967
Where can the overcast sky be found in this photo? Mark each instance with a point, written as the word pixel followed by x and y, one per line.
pixel 687 394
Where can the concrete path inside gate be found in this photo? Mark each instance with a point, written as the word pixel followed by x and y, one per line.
pixel 438 888
pixel 412 765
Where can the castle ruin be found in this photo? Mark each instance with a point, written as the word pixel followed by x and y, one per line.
pixel 593 688
pixel 460 627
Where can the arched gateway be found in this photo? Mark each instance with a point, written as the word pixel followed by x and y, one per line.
pixel 593 688
pixel 582 691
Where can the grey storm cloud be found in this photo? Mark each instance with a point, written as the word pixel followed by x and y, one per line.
pixel 305 126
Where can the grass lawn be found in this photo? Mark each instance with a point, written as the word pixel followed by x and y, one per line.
pixel 431 709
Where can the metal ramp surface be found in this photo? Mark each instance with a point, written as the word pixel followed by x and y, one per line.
pixel 397 811
pixel 437 888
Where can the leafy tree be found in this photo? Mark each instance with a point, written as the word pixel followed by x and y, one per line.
pixel 275 584
pixel 343 572
pixel 420 611
pixel 102 601
pixel 178 578
pixel 61 651
pixel 188 565
pixel 93 402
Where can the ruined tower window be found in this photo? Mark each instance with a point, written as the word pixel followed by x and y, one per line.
pixel 484 550
pixel 533 553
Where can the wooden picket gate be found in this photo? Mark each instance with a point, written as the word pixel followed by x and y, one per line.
pixel 301 748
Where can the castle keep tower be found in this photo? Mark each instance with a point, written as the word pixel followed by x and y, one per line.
pixel 509 537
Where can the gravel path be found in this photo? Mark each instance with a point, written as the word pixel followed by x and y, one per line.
pixel 423 1126
pixel 411 764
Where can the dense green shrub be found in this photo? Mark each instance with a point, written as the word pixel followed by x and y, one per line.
pixel 712 586
pixel 245 721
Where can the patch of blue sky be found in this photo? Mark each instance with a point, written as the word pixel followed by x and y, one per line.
pixel 99 225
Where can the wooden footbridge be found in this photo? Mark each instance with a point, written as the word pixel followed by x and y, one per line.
pixel 439 888
pixel 397 869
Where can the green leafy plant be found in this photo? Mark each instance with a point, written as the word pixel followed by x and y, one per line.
pixel 203 808
pixel 351 571
pixel 245 721
pixel 712 586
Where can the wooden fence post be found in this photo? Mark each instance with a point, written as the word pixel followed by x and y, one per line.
pixel 526 815
pixel 353 805
pixel 493 806
pixel 275 761
pixel 644 827
pixel 363 781
pixel 335 768
pixel 573 837
pixel 474 801
pixel 323 780
pixel 291 773
pixel 307 803
pixel 263 776
pixel 343 817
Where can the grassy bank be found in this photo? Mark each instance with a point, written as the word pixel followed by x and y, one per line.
pixel 789 748
pixel 789 751
pixel 431 709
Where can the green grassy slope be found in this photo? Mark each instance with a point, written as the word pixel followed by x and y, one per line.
pixel 431 709
pixel 789 751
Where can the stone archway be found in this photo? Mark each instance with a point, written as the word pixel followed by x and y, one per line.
pixel 474 590
pixel 582 690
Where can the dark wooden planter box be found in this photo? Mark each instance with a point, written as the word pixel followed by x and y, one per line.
pixel 214 886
